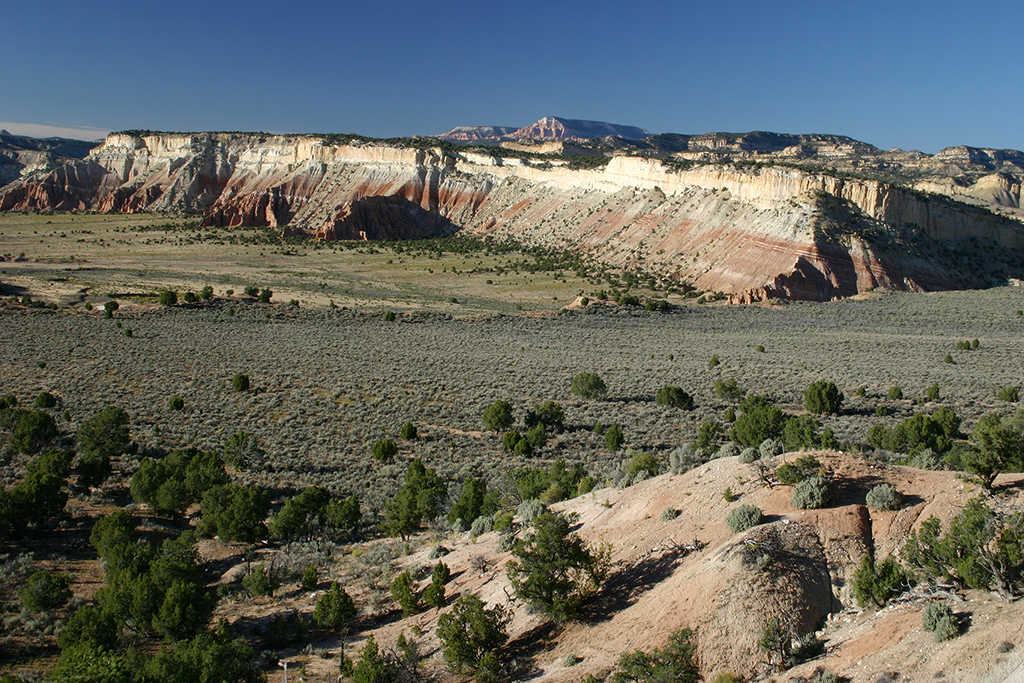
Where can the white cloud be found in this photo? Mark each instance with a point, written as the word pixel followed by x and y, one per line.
pixel 40 130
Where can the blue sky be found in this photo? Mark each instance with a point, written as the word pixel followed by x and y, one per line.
pixel 917 75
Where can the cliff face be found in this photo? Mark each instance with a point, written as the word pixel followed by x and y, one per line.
pixel 753 233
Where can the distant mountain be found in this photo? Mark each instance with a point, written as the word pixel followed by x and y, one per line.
pixel 20 154
pixel 549 128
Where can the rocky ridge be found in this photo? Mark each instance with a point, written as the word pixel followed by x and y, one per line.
pixel 761 231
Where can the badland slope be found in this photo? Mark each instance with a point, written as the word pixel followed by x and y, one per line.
pixel 753 231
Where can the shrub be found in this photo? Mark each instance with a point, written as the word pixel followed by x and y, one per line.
pixel 523 447
pixel 46 591
pixel 645 463
pixel 191 297
pixel 613 437
pixel 471 635
pixel 240 382
pixel 878 583
pixel 823 397
pixel 481 525
pixel 259 582
pixel 389 316
pixel 948 359
pixel 1008 394
pixel 530 510
pixel 884 497
pixel 310 578
pixel 748 455
pixel 673 397
pixel 668 514
pixel 939 620
pixel 409 432
pixel 176 403
pixel 812 493
pixel 744 517
pixel 265 295
pixel 895 394
pixel 206 293
pixel 502 520
pixel 728 390
pixel 335 610
pixel 760 348
pixel 252 291
pixel 497 416
pixel 714 361
pixel 537 436
pixel 932 392
pixel 588 386
pixel 769 448
pixel 384 449
pixel 168 298
pixel 45 399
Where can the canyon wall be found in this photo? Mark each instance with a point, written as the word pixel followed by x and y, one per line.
pixel 754 233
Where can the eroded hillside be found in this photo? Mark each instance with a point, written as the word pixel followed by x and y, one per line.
pixel 754 232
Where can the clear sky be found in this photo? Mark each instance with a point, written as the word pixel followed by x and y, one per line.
pixel 896 73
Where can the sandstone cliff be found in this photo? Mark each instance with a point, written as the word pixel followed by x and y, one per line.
pixel 753 232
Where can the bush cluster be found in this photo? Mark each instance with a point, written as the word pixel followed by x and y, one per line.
pixel 744 517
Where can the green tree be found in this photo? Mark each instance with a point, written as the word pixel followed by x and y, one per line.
pixel 759 421
pixel 878 583
pixel 240 382
pixel 206 293
pixel 613 437
pixel 259 582
pixel 168 298
pixel 674 662
pixel 549 414
pixel 46 590
pixel 384 449
pixel 553 570
pixel 588 386
pixel 373 666
pixel 335 610
pixel 45 399
pixel 1000 448
pixel 673 397
pixel 109 307
pixel 297 516
pixel 983 549
pixel 235 513
pixel 474 500
pixel 343 515
pixel 101 437
pixel 34 431
pixel 408 432
pixel 471 635
pixel 404 594
pixel 265 295
pixel 434 595
pixel 209 657
pixel 417 501
pixel 823 397
pixel 498 416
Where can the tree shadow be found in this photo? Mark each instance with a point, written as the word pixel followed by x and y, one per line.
pixel 523 651
pixel 7 289
pixel 624 587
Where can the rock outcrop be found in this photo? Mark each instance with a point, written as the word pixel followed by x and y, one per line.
pixel 754 232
